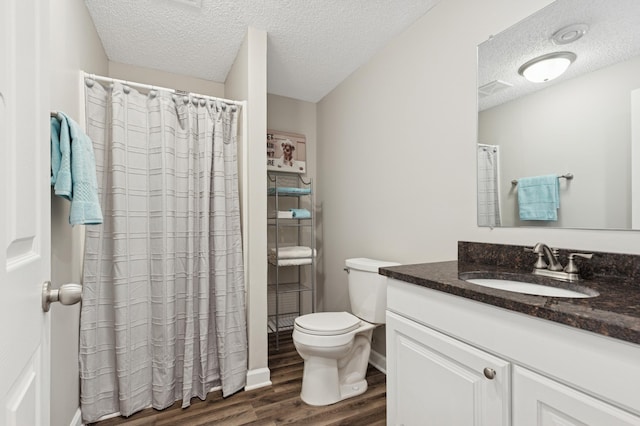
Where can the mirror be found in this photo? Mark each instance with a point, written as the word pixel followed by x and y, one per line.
pixel 585 123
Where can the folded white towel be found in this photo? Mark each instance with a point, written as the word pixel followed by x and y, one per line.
pixel 291 262
pixel 291 252
pixel 285 215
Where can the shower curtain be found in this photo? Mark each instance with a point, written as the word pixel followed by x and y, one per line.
pixel 488 186
pixel 163 311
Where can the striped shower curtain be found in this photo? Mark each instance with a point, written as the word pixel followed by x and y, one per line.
pixel 163 312
pixel 488 186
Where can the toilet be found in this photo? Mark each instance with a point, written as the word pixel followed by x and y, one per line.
pixel 335 346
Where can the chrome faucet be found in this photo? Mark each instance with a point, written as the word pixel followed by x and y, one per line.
pixel 552 256
pixel 552 266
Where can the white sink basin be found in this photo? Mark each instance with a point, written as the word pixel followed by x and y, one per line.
pixel 528 288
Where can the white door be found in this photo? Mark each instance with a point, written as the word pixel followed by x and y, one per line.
pixel 433 379
pixel 25 232
pixel 540 401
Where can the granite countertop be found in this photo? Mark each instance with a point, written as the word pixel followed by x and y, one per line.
pixel 615 312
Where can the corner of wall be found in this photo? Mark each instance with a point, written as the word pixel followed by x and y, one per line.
pixel 66 87
pixel 247 80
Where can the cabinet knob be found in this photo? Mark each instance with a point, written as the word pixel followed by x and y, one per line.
pixel 489 373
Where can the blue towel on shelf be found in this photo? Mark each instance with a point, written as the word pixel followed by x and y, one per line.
pixel 285 190
pixel 539 197
pixel 300 213
pixel 73 170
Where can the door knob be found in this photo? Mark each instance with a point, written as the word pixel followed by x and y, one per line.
pixel 67 294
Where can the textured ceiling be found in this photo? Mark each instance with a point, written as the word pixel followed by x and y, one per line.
pixel 312 44
pixel 613 36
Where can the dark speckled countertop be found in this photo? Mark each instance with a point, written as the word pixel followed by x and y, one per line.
pixel 615 312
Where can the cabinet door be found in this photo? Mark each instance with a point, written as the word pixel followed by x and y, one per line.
pixel 540 401
pixel 433 379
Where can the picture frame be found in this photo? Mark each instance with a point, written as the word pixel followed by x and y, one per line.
pixel 286 152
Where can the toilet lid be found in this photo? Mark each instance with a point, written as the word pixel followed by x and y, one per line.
pixel 328 323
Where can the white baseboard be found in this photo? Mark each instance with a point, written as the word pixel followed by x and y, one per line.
pixel 378 360
pixel 258 378
pixel 77 419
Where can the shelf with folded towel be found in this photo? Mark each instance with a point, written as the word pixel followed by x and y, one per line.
pixel 289 191
pixel 292 262
pixel 296 214
pixel 567 176
pixel 291 256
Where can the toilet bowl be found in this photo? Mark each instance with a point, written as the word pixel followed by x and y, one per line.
pixel 335 346
pixel 335 361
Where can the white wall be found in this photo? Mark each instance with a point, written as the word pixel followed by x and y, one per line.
pixel 295 116
pixel 582 126
pixel 247 80
pixel 165 79
pixel 86 54
pixel 396 150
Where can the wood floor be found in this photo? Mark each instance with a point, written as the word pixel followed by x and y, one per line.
pixel 274 405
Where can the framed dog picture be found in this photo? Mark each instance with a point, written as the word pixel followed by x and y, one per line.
pixel 286 152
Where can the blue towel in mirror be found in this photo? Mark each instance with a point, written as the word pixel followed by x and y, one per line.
pixel 539 197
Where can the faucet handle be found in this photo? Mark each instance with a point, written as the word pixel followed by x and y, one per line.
pixel 585 255
pixel 571 267
pixel 540 263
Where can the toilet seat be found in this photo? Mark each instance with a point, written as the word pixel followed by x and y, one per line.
pixel 327 323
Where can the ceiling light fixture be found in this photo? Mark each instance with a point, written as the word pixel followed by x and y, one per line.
pixel 547 67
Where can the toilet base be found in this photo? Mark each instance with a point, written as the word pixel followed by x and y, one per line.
pixel 333 374
pixel 335 346
pixel 325 394
pixel 353 389
pixel 320 392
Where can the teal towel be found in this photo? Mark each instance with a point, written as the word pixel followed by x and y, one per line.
pixel 286 190
pixel 539 197
pixel 301 213
pixel 73 170
pixel 60 160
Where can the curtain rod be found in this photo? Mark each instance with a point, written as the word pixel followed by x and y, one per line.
pixel 151 87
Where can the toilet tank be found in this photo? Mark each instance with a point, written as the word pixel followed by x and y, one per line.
pixel 368 289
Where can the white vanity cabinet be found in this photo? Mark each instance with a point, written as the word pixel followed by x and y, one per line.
pixel 438 380
pixel 540 401
pixel 438 346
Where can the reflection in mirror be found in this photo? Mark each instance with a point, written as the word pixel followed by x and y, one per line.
pixel 585 122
